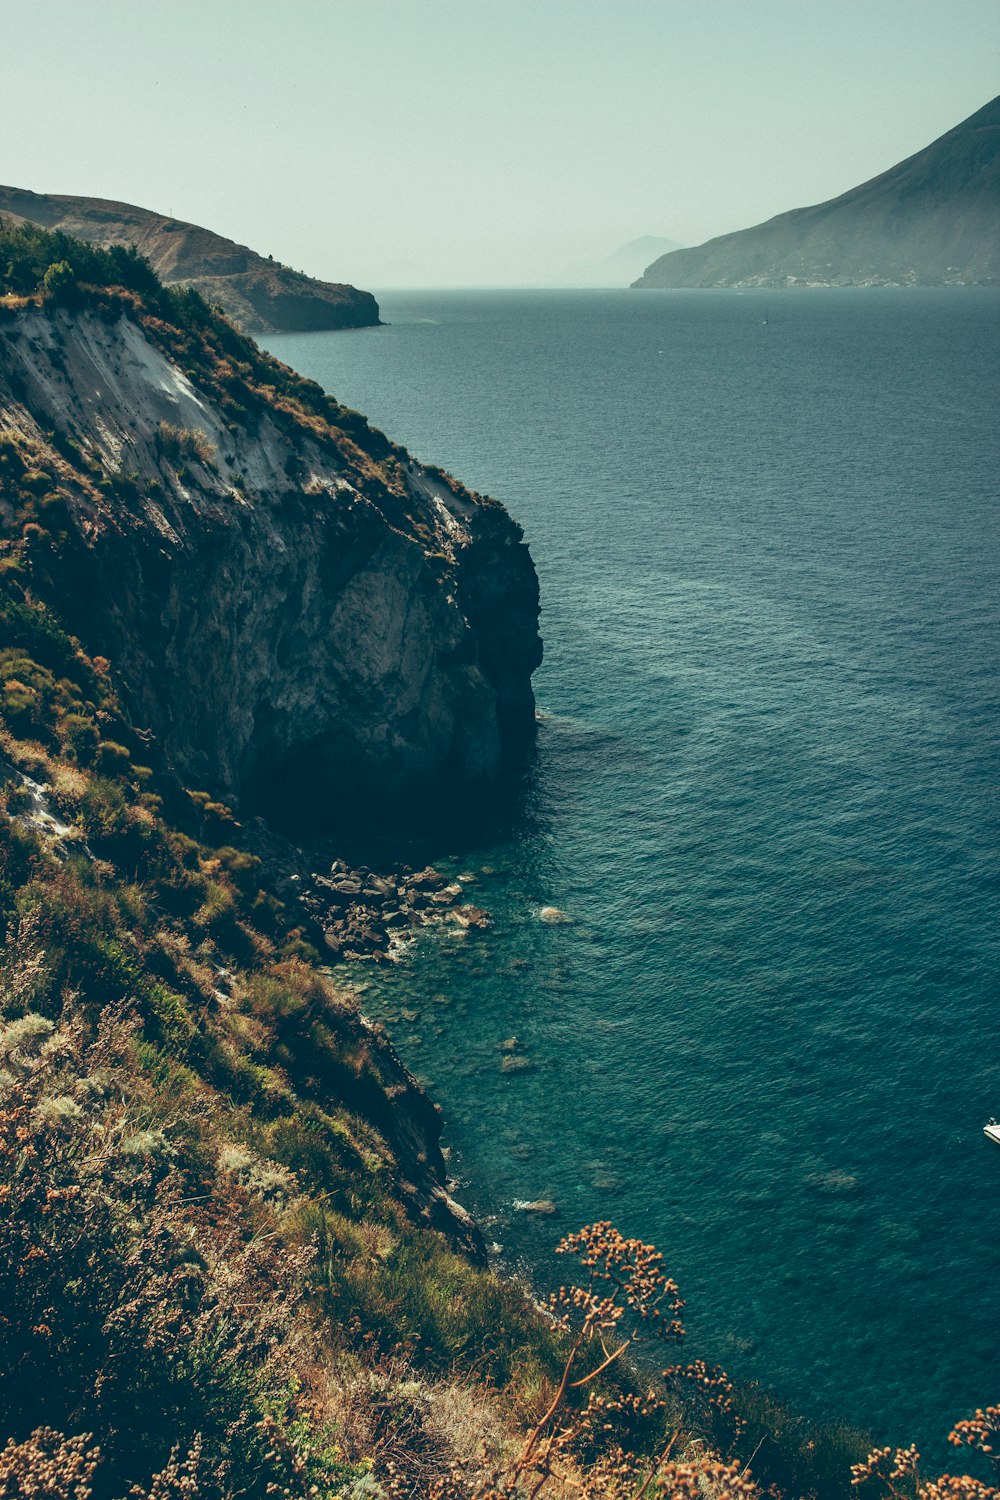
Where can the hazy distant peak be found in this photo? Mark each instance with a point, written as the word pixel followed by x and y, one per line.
pixel 644 245
pixel 620 267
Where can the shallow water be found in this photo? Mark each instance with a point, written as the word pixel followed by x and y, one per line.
pixel 766 795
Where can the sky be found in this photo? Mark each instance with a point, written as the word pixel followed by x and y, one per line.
pixel 478 142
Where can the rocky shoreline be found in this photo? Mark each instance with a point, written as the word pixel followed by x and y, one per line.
pixel 364 914
pixel 354 912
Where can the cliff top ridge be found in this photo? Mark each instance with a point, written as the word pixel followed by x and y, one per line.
pixel 257 293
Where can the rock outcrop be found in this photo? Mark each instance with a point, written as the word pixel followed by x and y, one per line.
pixel 932 220
pixel 257 293
pixel 293 606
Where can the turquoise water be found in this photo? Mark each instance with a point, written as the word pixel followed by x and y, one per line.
pixel 766 795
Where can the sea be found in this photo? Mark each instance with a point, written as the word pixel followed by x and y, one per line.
pixel 766 799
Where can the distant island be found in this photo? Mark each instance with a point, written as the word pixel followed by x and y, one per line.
pixel 257 294
pixel 932 220
pixel 621 266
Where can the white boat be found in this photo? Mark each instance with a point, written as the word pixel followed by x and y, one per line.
pixel 992 1130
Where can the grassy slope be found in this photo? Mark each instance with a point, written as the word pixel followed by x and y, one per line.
pixel 184 1074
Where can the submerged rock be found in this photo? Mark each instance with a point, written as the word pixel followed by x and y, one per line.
pixel 834 1183
pixel 516 1062
pixel 472 916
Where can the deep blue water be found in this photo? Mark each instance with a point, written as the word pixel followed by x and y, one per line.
pixel 766 794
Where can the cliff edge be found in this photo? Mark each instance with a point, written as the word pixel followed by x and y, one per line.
pixel 285 595
pixel 257 293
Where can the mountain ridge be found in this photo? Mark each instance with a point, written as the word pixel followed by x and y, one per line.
pixel 932 219
pixel 257 294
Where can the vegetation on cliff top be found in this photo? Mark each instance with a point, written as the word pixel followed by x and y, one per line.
pixel 38 264
pixel 219 1274
pixel 256 292
pixel 307 538
pixel 52 270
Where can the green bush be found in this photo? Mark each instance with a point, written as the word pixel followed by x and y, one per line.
pixel 33 259
pixel 80 736
pixel 59 280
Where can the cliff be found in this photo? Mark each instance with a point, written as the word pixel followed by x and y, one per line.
pixel 257 294
pixel 209 1159
pixel 932 220
pixel 283 592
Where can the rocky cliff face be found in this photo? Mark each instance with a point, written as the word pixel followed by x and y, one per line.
pixel 257 294
pixel 283 595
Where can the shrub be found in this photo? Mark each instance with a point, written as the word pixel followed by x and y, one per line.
pixel 33 627
pixel 33 259
pixel 80 736
pixel 48 1464
pixel 59 281
pixel 178 444
pixel 112 758
pixel 129 1313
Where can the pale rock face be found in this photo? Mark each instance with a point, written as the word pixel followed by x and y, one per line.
pixel 270 627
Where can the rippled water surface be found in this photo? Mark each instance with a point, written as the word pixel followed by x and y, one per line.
pixel 766 794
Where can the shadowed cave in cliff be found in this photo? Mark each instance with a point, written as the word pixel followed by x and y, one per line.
pixel 308 793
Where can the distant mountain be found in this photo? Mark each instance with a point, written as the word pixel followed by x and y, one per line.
pixel 256 293
pixel 621 266
pixel 932 220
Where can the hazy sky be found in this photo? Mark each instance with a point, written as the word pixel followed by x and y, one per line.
pixel 465 142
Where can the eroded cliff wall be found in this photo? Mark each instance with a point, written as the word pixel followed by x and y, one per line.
pixel 281 594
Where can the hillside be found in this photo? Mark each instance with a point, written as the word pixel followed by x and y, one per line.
pixel 257 294
pixel 230 1264
pixel 932 220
